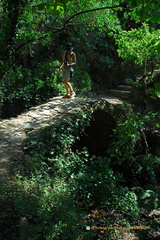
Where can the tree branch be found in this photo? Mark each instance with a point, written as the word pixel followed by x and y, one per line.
pixel 91 10
pixel 84 12
pixel 56 30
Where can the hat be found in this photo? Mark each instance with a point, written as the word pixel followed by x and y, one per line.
pixel 70 47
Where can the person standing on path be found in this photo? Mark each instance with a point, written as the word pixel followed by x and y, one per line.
pixel 68 60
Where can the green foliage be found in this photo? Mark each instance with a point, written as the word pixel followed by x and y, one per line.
pixel 129 151
pixel 59 138
pixel 155 92
pixel 9 217
pixel 31 87
pixel 149 202
pixel 131 158
pixel 54 7
pixel 27 27
pixel 157 88
pixel 94 17
pixel 145 10
pixel 106 61
pixel 56 188
pixel 47 206
pixel 139 45
pixel 81 81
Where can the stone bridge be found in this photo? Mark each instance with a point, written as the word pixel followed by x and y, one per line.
pixel 14 131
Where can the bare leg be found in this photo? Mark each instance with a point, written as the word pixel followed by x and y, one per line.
pixel 72 93
pixel 69 89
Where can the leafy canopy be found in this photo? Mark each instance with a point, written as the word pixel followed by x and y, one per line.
pixel 139 45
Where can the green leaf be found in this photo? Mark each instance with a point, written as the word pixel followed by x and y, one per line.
pixel 154 19
pixel 145 194
pixel 41 6
pixel 157 86
pixel 136 188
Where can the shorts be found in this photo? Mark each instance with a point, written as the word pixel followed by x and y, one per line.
pixel 66 73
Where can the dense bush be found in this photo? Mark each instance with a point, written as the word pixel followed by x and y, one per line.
pixel 57 190
pixel 81 82
pixel 23 87
pixel 60 192
pixel 130 153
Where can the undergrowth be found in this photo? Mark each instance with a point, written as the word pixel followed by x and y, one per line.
pixel 64 194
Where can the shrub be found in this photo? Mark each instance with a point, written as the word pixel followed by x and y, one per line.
pixel 129 152
pixel 57 190
pixel 26 87
pixel 81 81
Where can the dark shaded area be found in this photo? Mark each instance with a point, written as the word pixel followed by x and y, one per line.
pixel 12 108
pixel 153 140
pixel 98 135
pixel 15 106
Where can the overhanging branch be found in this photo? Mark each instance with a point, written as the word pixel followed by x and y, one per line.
pixel 84 12
pixel 91 10
pixel 56 30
